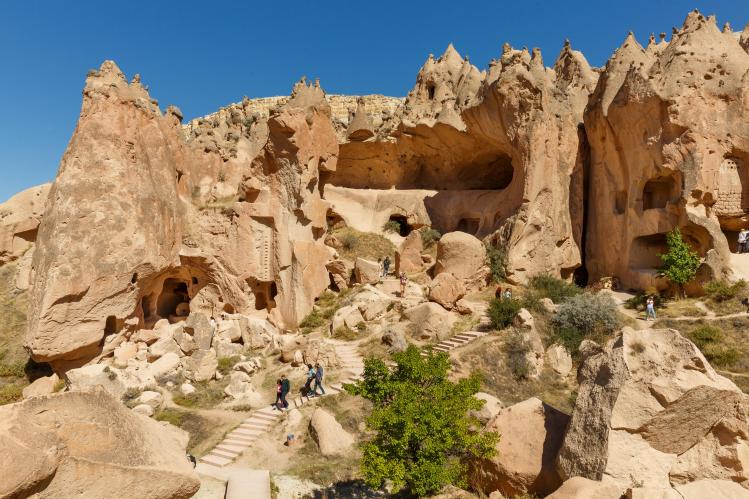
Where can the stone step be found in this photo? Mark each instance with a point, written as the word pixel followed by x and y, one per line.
pixel 252 427
pixel 237 442
pixel 238 449
pixel 224 453
pixel 266 417
pixel 215 460
pixel 258 421
pixel 441 349
pixel 247 434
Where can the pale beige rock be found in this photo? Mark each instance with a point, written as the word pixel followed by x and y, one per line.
pixel 330 436
pixel 258 333
pixel 164 365
pixel 123 353
pixel 492 406
pixel 163 346
pixel 318 351
pixel 431 321
pixel 229 330
pixel 723 489
pixel 348 316
pixel 42 386
pixel 559 359
pixel 372 302
pixel 289 345
pixel 250 366
pixel 340 271
pixel 153 399
pixel 460 254
pixel 650 406
pixel 115 381
pixel 446 289
pixel 549 305
pixel 652 493
pixel 201 365
pixel 225 349
pixel 200 330
pixel 144 410
pixel 408 256
pixel 585 488
pixel 19 221
pixel 139 457
pixel 532 433
pixel 239 386
pixel 366 271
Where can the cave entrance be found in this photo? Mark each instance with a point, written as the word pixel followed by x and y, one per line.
pixel 658 192
pixel 265 294
pixel 469 225
pixel 403 228
pixel 644 250
pixel 173 294
pixel 334 220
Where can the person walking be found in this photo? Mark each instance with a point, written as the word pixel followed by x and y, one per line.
pixel 276 404
pixel 650 309
pixel 310 379
pixel 318 380
pixel 285 388
pixel 498 293
pixel 385 266
pixel 741 240
pixel 403 284
pixel 508 294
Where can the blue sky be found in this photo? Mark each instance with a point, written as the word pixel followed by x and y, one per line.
pixel 202 55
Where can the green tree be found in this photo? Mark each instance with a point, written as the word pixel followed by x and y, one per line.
pixel 423 434
pixel 680 263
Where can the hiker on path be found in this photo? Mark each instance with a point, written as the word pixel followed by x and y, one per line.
pixel 498 292
pixel 385 266
pixel 310 379
pixel 318 380
pixel 508 294
pixel 276 404
pixel 650 309
pixel 403 284
pixel 285 388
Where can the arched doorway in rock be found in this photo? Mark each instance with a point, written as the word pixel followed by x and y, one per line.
pixel 174 293
pixel 404 228
pixel 469 225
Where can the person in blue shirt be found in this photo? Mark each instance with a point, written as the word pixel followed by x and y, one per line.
pixel 318 380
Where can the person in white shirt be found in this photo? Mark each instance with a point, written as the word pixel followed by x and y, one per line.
pixel 742 241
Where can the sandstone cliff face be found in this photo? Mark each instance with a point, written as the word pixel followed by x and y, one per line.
pixel 669 147
pixel 470 151
pixel 143 222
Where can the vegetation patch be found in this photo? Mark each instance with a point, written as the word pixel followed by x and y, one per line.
pixel 206 395
pixel 496 259
pixel 429 236
pixel 516 349
pixel 367 245
pixel 502 311
pixel 226 364
pixel 584 316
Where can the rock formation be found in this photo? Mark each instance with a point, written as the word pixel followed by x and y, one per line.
pixel 669 147
pixel 650 406
pixel 63 445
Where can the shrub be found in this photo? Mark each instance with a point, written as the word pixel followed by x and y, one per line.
pixel 226 364
pixel 709 339
pixel 547 286
pixel 517 347
pixel 584 316
pixel 706 335
pixel 496 259
pixel 422 435
pixel 313 320
pixel 680 263
pixel 205 397
pixel 345 333
pixel 502 311
pixel 349 240
pixel 721 291
pixel 429 236
pixel 171 416
pixel 10 393
pixel 638 301
pixel 392 226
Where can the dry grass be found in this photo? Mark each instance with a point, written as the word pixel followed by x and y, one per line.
pixel 364 245
pixel 680 308
pixel 205 432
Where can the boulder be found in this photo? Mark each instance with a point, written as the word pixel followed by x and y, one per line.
pixel 144 410
pixel 239 385
pixel 461 254
pixel 531 434
pixel 147 336
pixel 41 386
pixel 431 321
pixel 408 257
pixel 199 327
pixel 201 365
pixel 164 365
pixel 289 345
pixel 224 349
pixel 330 436
pixel 115 381
pixel 395 339
pixel 186 388
pixel 319 351
pixel 372 303
pixel 548 305
pixel 649 405
pixel 184 340
pixel 348 316
pixel 559 359
pixel 124 352
pixel 151 398
pixel 138 456
pixel 163 346
pixel 366 271
pixel 701 489
pixel 492 406
pixel 228 330
pixel 446 289
pixel 257 333
pixel 526 325
pixel 250 366
pixel 340 272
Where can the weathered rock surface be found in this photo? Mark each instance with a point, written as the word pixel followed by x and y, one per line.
pixel 42 386
pixel 460 254
pixel 408 256
pixel 431 321
pixel 446 289
pixel 531 435
pixel 366 271
pixel 62 445
pixel 650 406
pixel 330 436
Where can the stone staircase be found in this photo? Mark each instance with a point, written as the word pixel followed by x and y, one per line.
pixel 263 420
pixel 482 329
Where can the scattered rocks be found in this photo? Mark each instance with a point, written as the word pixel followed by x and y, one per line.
pixel 559 359
pixel 395 339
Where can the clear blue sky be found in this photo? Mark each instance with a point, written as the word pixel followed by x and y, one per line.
pixel 201 55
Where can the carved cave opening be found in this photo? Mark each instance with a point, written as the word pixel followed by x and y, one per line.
pixel 658 192
pixel 469 225
pixel 174 293
pixel 265 294
pixel 644 250
pixel 401 221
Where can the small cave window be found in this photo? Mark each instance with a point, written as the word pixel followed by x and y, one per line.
pixel 134 278
pixel 110 325
pixel 195 280
pixel 620 202
pixel 658 192
pixel 430 91
pixel 469 225
pixel 399 224
pixel 228 308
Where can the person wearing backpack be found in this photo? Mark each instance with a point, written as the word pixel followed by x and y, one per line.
pixel 318 380
pixel 285 388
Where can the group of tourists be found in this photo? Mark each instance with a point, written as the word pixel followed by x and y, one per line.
pixel 503 294
pixel 743 240
pixel 283 386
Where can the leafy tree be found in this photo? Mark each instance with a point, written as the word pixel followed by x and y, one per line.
pixel 680 263
pixel 423 434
